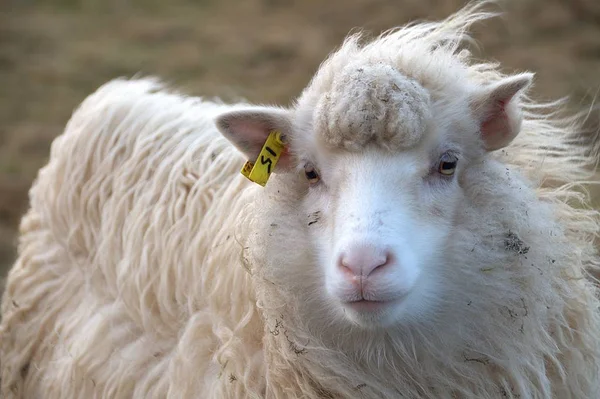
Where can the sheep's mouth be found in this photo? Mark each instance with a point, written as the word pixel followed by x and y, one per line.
pixel 364 305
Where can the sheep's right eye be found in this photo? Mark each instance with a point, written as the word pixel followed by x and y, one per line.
pixel 311 174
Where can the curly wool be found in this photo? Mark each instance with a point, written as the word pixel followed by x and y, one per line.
pixel 123 263
pixel 149 267
pixel 372 103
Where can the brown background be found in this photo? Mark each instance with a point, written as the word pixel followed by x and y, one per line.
pixel 55 52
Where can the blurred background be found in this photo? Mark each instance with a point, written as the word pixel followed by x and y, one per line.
pixel 53 53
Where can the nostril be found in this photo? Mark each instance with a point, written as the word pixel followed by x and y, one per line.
pixel 363 261
pixel 382 261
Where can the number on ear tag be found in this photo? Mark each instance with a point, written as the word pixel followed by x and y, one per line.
pixel 260 171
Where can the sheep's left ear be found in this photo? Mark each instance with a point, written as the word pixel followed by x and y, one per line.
pixel 497 110
pixel 248 129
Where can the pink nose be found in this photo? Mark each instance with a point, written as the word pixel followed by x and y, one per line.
pixel 362 261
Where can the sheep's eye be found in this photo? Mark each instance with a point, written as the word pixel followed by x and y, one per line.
pixel 447 165
pixel 311 174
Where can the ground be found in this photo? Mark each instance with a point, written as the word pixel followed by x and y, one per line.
pixel 53 53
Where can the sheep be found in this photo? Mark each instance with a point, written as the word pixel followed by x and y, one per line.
pixel 425 233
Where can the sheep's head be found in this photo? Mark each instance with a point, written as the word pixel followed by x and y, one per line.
pixel 376 162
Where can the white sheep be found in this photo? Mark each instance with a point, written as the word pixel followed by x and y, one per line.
pixel 410 244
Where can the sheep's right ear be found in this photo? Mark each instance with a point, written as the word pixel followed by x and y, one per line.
pixel 248 129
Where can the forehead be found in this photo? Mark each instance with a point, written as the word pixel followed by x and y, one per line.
pixel 371 165
pixel 372 104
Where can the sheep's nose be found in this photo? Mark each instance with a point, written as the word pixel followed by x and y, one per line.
pixel 361 261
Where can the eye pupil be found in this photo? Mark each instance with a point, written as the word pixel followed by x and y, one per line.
pixel 448 165
pixel 311 174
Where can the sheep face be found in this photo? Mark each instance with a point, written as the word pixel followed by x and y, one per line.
pixel 381 222
pixel 376 164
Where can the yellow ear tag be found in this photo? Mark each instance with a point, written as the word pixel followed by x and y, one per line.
pixel 260 171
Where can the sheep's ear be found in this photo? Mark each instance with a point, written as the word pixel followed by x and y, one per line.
pixel 248 129
pixel 497 110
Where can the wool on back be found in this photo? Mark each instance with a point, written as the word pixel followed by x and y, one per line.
pixel 129 271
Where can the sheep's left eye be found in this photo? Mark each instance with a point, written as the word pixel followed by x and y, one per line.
pixel 447 164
